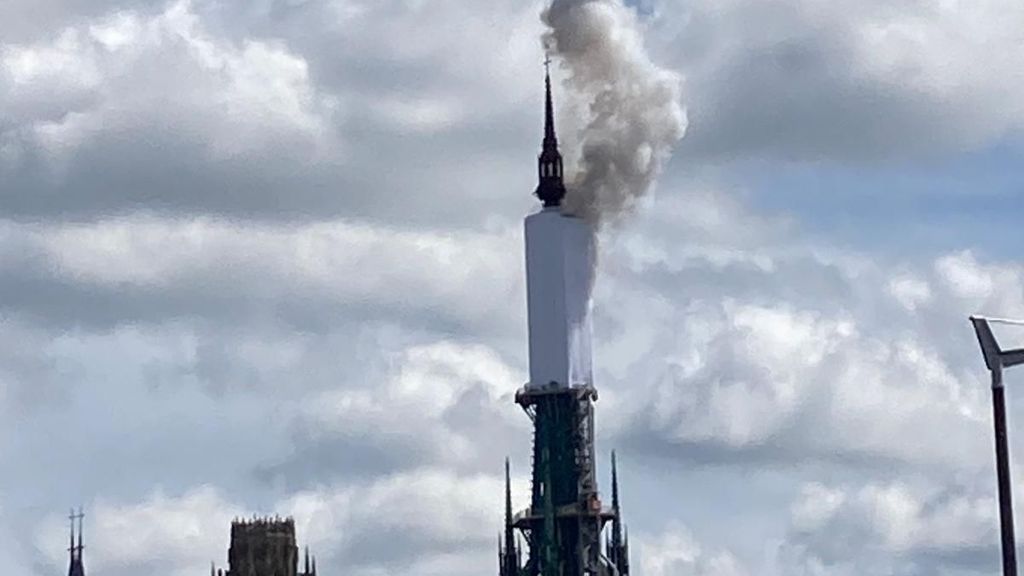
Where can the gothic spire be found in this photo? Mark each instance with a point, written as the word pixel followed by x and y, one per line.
pixel 618 549
pixel 615 484
pixel 508 499
pixel 510 562
pixel 617 522
pixel 71 545
pixel 551 188
pixel 550 138
pixel 75 568
pixel 81 516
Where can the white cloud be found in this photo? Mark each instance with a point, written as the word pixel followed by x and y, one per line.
pixel 903 527
pixel 436 504
pixel 813 353
pixel 675 552
pixel 175 534
pixel 847 81
pixel 335 264
pixel 911 292
pixel 816 506
pixel 447 402
pixel 241 97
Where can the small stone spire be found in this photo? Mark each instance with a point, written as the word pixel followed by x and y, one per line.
pixel 510 554
pixel 71 545
pixel 615 538
pixel 618 548
pixel 508 499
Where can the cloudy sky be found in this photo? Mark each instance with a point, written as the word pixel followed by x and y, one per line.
pixel 266 257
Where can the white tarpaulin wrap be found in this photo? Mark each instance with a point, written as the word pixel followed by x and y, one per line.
pixel 559 265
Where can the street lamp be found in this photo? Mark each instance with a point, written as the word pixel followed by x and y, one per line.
pixel 995 360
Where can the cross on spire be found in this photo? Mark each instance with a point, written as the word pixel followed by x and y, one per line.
pixel 71 520
pixel 81 517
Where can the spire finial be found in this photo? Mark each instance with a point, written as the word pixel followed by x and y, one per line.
pixel 550 139
pixel 71 546
pixel 81 516
pixel 508 493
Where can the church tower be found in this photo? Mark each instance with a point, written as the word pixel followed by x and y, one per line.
pixel 564 522
pixel 265 547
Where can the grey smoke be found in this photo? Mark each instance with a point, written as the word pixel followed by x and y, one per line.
pixel 634 110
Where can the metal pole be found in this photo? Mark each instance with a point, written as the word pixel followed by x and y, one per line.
pixel 1003 474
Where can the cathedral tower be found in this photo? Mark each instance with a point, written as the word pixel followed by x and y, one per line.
pixel 565 520
pixel 265 547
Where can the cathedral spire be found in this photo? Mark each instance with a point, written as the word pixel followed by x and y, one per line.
pixel 551 188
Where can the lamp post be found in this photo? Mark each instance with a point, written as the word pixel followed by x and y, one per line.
pixel 995 360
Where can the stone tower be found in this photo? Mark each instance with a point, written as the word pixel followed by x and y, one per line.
pixel 265 547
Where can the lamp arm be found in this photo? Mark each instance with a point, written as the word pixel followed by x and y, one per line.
pixel 1012 357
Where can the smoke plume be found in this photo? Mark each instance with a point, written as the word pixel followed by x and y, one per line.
pixel 635 115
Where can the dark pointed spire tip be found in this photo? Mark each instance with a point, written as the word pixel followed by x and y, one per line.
pixel 508 497
pixel 550 138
